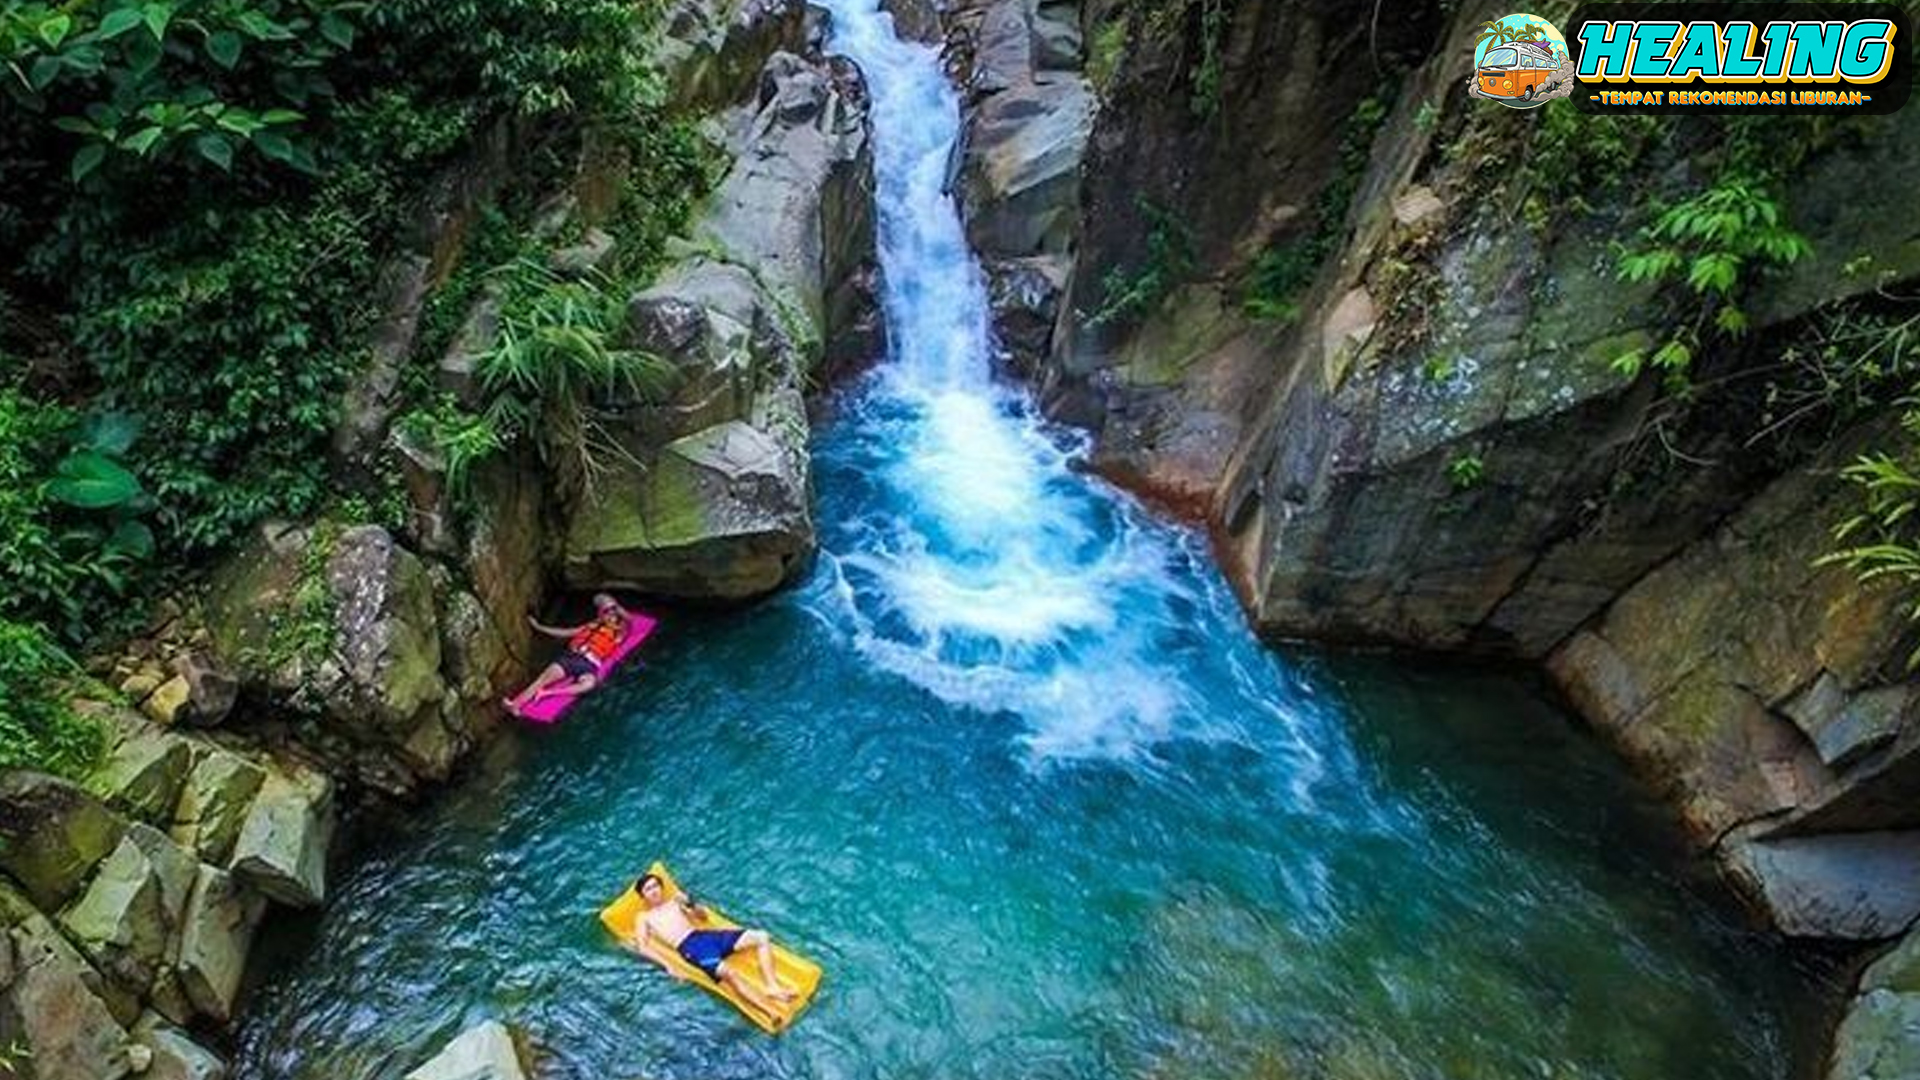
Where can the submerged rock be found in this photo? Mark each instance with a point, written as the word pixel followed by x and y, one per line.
pixel 483 1052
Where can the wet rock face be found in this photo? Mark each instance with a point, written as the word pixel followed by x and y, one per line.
pixel 711 499
pixel 1029 114
pixel 1770 696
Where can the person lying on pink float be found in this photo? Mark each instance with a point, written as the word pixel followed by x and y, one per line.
pixel 591 649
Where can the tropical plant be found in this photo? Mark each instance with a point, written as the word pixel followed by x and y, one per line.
pixel 555 358
pixel 38 730
pixel 1720 239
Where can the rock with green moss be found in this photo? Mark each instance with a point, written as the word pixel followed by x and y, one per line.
pixel 145 768
pixel 282 847
pixel 130 916
pixel 339 624
pixel 214 802
pixel 52 835
pixel 720 514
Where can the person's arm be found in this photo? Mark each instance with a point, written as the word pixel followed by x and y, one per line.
pixel 561 632
pixel 652 948
pixel 695 909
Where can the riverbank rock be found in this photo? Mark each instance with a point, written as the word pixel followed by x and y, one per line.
pixel 484 1052
pixel 339 628
pixel 1879 1037
pixel 174 1055
pixel 220 921
pixel 282 847
pixel 1769 695
pixel 50 1005
pixel 130 918
pixel 52 835
pixel 712 499
pixel 1029 116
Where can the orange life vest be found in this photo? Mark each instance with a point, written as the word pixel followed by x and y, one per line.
pixel 600 639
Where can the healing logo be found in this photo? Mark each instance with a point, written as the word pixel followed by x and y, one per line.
pixel 1521 61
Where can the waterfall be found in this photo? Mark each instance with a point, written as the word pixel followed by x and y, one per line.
pixel 987 571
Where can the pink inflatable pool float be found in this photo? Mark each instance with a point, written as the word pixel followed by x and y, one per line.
pixel 550 708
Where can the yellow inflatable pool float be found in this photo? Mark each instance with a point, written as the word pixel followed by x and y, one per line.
pixel 800 975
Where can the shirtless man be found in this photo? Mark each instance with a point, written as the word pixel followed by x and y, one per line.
pixel 669 923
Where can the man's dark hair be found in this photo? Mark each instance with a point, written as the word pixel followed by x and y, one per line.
pixel 640 886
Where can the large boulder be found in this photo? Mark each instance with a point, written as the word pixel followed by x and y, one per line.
pixel 1029 119
pixel 217 933
pixel 339 625
pixel 128 920
pixel 52 835
pixel 720 514
pixel 282 847
pixel 712 497
pixel 145 768
pixel 482 1052
pixel 50 1003
pixel 1859 886
pixel 1021 166
pixel 215 801
pixel 713 51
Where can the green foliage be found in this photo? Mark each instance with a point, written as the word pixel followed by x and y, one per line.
pixel 1466 471
pixel 1105 52
pixel 202 194
pixel 1168 263
pixel 37 728
pixel 1719 239
pixel 70 511
pixel 1206 71
pixel 306 629
pixel 192 83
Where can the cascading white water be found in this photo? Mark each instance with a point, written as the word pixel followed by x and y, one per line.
pixel 995 577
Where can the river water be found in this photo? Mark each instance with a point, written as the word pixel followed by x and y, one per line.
pixel 1009 764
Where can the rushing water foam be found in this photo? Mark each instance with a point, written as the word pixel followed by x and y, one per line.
pixel 1011 766
pixel 992 576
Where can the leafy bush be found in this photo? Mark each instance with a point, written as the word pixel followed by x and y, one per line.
pixel 203 191
pixel 70 511
pixel 37 729
pixel 1721 239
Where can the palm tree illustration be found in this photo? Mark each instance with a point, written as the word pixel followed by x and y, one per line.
pixel 1494 34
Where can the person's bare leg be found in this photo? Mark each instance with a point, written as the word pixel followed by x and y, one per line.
pixel 754 999
pixel 547 677
pixel 759 942
pixel 573 689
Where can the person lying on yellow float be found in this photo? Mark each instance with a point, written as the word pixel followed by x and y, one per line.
pixel 679 934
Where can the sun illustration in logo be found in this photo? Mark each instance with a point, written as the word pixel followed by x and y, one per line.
pixel 1521 61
